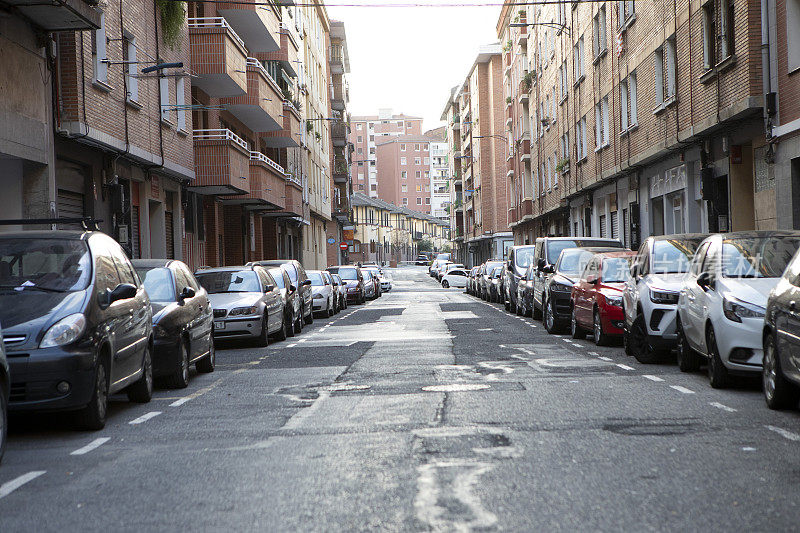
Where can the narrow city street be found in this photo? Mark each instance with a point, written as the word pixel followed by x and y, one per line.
pixel 424 410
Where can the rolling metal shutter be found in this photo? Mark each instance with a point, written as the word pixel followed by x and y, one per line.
pixel 169 235
pixel 137 253
pixel 70 205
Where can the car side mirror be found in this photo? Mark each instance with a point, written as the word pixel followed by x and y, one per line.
pixel 540 264
pixel 187 292
pixel 592 281
pixel 548 269
pixel 123 291
pixel 269 288
pixel 523 278
pixel 292 288
pixel 705 281
pixel 307 282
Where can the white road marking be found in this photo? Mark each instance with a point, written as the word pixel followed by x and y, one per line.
pixel 605 358
pixel 624 367
pixel 785 433
pixel 96 443
pixel 566 340
pixel 291 345
pixel 594 354
pixel 10 486
pixel 178 403
pixel 299 418
pixel 145 417
pixel 304 340
pixel 723 407
pixel 431 489
pixel 680 389
pixel 748 449
pixel 652 378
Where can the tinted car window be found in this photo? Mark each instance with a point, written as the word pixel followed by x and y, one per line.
pixel 277 275
pixel 316 279
pixel 158 284
pixel 181 280
pixel 572 262
pixel 672 256
pixel 292 271
pixel 757 257
pixel 236 281
pixel 190 277
pixel 367 275
pixel 54 264
pixel 124 266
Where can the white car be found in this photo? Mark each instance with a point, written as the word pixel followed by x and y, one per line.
pixel 650 296
pixel 386 281
pixel 246 302
pixel 722 304
pixel 321 292
pixel 455 277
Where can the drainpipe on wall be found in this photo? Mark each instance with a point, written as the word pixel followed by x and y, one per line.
pixel 770 98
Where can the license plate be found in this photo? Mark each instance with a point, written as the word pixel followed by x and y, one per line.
pixel 219 325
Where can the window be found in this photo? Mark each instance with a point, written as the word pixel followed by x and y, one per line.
pixel 404 188
pixel 373 186
pixel 405 201
pixel 372 138
pixel 371 126
pixel 427 161
pixel 416 148
pixel 580 138
pixel 180 102
pixel 665 72
pixel 628 102
pixel 578 60
pixel 793 37
pixel 359 126
pixel 427 188
pixel 360 139
pixel 99 49
pixel 599 36
pixel 427 147
pixel 555 172
pixel 625 10
pixel 427 174
pixel 360 186
pixel 708 35
pixel 402 147
pixel 419 188
pixel 130 66
pixel 602 226
pixel 404 174
pixel 403 161
pixel 418 174
pixel 360 150
pixel 372 151
pixel 419 201
pixel 360 163
pixel 417 161
pixel 601 123
pixel 427 201
pixel 717 33
pixel 163 92
pixel 565 146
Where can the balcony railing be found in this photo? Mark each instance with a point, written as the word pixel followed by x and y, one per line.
pixel 218 57
pixel 221 162
pixel 220 135
pixel 216 22
pixel 258 156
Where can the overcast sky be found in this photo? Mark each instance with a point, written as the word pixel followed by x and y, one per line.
pixel 408 58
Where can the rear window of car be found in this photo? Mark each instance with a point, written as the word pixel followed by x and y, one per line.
pixel 227 281
pixel 757 257
pixel 316 279
pixel 348 273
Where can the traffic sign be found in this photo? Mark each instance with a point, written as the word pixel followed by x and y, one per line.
pixel 331 240
pixel 343 245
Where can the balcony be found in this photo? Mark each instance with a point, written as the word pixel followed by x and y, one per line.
pixel 341 170
pixel 525 148
pixel 260 109
pixel 221 163
pixel 267 182
pixel 58 15
pixel 218 57
pixel 287 55
pixel 259 25
pixel 293 204
pixel 339 133
pixel 289 135
pixel 456 122
pixel 337 59
pixel 341 93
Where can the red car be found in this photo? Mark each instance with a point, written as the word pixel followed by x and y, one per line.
pixel 597 297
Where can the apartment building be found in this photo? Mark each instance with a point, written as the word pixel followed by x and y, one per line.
pixel 404 171
pixel 27 156
pixel 440 173
pixel 630 119
pixel 123 143
pixel 452 119
pixel 365 131
pixel 341 231
pixel 483 153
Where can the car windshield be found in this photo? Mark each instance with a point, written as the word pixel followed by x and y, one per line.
pixel 158 284
pixel 572 262
pixel 56 265
pixel 277 275
pixel 316 279
pixel 616 269
pixel 497 271
pixel 757 257
pixel 367 275
pixel 491 266
pixel 672 256
pixel 348 273
pixel 227 281
pixel 523 257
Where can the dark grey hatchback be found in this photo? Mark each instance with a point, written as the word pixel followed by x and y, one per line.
pixel 76 323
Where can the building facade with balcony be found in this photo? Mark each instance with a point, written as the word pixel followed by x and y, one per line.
pixel 440 173
pixel 452 118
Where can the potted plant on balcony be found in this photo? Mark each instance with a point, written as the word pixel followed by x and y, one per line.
pixel 563 166
pixel 309 126
pixel 318 135
pixel 527 82
pixel 173 16
pixel 288 96
pixel 507 47
pixel 509 99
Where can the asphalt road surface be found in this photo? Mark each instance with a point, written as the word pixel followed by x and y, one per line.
pixel 424 410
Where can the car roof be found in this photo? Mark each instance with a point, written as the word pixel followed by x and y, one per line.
pixel 680 236
pixel 152 263
pixel 759 234
pixel 226 269
pixel 616 253
pixel 272 262
pixel 51 234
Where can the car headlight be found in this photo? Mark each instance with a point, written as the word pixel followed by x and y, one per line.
pixel 736 310
pixel 560 287
pixel 239 311
pixel 663 297
pixel 613 300
pixel 65 331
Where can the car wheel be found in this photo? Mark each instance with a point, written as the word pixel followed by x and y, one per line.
pixel 600 338
pixel 507 304
pixel 519 308
pixel 688 359
pixel 142 390
pixel 292 326
pixel 535 313
pixel 93 416
pixel 718 376
pixel 207 363
pixel 575 329
pixel 330 312
pixel 779 393
pixel 298 322
pixel 639 344
pixel 282 333
pixel 180 378
pixel 445 284
pixel 3 423
pixel 310 318
pixel 550 317
pixel 263 338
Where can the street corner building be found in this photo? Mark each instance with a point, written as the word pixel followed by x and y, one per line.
pixel 202 131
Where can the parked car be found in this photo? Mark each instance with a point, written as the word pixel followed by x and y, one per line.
pixel 650 296
pixel 520 258
pixel 781 340
pixel 334 290
pixel 354 280
pixel 375 272
pixel 495 278
pixel 435 265
pixel 5 391
pixel 77 323
pixel 523 304
pixel 597 296
pixel 456 277
pixel 545 254
pixel 471 280
pixel 246 302
pixel 182 320
pixel 385 280
pixel 292 304
pixel 722 304
pixel 322 290
pixel 440 269
pixel 341 290
pixel 370 286
pixel 298 277
pixel 422 260
pixel 557 292
pixel 484 279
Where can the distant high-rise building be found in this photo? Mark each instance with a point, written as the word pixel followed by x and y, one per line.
pixel 440 172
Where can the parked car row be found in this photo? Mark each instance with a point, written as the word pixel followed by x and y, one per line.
pixel 728 301
pixel 81 321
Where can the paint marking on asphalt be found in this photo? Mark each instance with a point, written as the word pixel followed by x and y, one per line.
pixel 605 358
pixel 785 433
pixel 10 486
pixel 299 418
pixel 682 390
pixel 566 340
pixel 145 417
pixel 179 402
pixel 594 354
pixel 723 407
pixel 96 443
pixel 748 449
pixel 652 378
pixel 624 367
pixel 291 345
pixel 304 340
